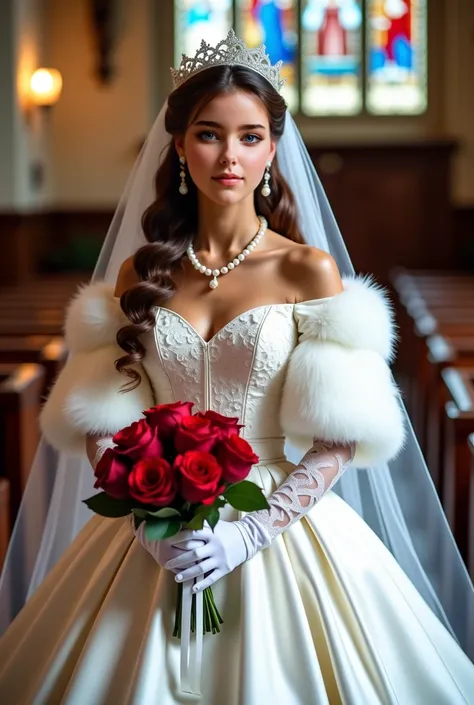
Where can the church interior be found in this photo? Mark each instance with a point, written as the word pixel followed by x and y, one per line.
pixel 383 95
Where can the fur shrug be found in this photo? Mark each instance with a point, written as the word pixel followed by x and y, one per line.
pixel 86 396
pixel 338 385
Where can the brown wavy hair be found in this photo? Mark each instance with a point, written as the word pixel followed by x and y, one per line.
pixel 169 228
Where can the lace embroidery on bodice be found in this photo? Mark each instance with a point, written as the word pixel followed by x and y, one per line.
pixel 239 372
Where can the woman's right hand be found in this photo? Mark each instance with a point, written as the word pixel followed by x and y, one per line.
pixel 162 550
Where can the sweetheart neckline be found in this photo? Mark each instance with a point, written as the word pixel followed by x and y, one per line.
pixel 158 309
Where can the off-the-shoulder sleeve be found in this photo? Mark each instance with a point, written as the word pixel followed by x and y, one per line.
pixel 86 396
pixel 339 386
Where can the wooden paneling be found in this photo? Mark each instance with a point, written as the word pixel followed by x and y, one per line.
pixel 392 203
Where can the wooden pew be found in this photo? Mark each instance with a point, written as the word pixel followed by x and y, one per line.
pixel 37 307
pixel 470 557
pixel 419 295
pixel 47 351
pixel 21 386
pixel 4 518
pixel 442 351
pixel 459 424
pixel 430 307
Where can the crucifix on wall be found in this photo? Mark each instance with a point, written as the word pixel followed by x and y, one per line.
pixel 106 16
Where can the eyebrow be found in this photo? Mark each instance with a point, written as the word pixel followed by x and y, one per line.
pixel 210 123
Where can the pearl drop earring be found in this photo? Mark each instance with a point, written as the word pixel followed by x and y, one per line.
pixel 183 188
pixel 266 190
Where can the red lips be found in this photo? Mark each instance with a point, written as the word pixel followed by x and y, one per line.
pixel 227 176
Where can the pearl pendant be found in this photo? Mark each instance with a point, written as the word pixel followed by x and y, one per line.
pixel 213 284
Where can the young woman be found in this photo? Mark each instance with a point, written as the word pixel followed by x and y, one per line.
pixel 227 307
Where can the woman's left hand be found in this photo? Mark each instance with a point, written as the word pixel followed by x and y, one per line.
pixel 223 550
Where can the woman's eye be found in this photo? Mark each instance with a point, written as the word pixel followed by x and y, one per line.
pixel 253 139
pixel 207 135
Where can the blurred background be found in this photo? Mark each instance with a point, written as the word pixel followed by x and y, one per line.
pixel 383 93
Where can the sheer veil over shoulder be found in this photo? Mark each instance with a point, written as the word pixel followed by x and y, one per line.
pixel 398 501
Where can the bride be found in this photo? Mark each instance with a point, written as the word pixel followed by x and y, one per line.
pixel 228 306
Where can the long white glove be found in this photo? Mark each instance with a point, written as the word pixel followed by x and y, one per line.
pixel 232 543
pixel 163 550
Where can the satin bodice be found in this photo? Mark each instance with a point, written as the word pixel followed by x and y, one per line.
pixel 239 372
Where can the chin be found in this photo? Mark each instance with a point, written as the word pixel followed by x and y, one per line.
pixel 228 197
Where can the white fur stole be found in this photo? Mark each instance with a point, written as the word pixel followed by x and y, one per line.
pixel 85 398
pixel 338 386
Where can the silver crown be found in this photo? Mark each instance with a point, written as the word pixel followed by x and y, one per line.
pixel 231 51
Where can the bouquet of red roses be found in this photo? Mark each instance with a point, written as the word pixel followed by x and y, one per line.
pixel 174 470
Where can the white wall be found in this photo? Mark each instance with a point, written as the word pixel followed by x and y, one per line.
pixel 7 189
pixel 22 142
pixel 30 134
pixel 96 129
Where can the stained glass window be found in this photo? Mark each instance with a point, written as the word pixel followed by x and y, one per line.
pixel 200 19
pixel 331 57
pixel 396 70
pixel 275 24
pixel 340 57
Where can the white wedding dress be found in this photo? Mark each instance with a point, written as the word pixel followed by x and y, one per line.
pixel 325 616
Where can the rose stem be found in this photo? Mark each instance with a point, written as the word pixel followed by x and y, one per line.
pixel 207 616
pixel 193 613
pixel 211 595
pixel 179 605
pixel 214 612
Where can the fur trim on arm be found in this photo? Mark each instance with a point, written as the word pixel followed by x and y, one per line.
pixel 86 397
pixel 360 317
pixel 338 386
pixel 93 318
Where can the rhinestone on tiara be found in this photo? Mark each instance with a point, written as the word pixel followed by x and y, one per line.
pixel 229 51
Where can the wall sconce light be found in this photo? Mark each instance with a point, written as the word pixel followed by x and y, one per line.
pixel 45 87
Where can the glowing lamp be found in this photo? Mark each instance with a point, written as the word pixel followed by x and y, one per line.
pixel 45 87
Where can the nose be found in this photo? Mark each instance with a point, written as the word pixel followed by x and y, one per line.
pixel 228 156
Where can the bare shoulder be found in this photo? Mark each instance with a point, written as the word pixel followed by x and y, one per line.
pixel 313 272
pixel 127 277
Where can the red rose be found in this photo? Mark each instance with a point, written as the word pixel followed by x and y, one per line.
pixel 236 457
pixel 199 477
pixel 139 440
pixel 195 433
pixel 166 417
pixel 112 473
pixel 153 481
pixel 226 425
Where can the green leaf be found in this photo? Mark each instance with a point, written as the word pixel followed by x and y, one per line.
pixel 196 523
pixel 213 518
pixel 219 503
pixel 246 497
pixel 108 506
pixel 156 529
pixel 165 513
pixel 204 509
pixel 142 513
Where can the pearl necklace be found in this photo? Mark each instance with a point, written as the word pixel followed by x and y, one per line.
pixel 214 273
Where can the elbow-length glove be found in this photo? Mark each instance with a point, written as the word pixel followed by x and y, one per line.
pixel 233 542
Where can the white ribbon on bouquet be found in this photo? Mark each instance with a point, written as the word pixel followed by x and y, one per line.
pixel 191 649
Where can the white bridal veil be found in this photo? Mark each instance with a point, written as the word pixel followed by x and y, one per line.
pixel 398 501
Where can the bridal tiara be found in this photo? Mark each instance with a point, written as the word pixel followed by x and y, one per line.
pixel 230 51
